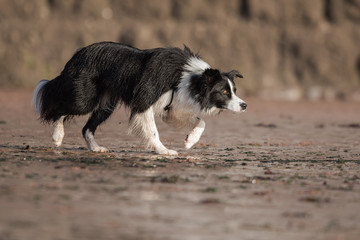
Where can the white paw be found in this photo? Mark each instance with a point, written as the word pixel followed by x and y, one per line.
pixel 167 152
pixel 57 138
pixel 57 143
pixel 100 149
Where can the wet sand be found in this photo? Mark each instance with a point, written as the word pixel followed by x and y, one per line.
pixel 281 170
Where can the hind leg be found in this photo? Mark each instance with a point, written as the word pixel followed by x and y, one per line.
pixel 58 133
pixel 96 118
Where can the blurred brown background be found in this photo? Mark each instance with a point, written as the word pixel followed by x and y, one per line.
pixel 286 49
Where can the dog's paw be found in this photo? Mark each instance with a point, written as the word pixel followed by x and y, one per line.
pixel 100 149
pixel 168 152
pixel 172 153
pixel 57 143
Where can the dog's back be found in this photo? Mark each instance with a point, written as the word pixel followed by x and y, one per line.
pixel 108 73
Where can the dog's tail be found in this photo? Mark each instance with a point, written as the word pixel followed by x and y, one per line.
pixel 38 98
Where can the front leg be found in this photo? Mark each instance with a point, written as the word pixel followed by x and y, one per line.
pixel 195 134
pixel 186 120
pixel 144 125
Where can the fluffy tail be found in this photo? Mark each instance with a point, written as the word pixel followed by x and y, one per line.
pixel 37 100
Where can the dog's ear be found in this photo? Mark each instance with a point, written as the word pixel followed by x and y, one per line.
pixel 234 73
pixel 211 75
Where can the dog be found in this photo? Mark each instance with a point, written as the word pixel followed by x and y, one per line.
pixel 171 83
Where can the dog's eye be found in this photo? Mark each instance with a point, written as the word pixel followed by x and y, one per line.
pixel 225 92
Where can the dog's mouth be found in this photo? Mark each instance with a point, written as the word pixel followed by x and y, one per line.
pixel 235 105
pixel 231 110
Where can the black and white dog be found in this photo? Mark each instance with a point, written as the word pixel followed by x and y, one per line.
pixel 171 83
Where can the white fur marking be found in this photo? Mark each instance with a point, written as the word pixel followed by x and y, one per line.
pixel 92 145
pixel 194 66
pixel 58 134
pixel 195 134
pixel 144 125
pixel 36 101
pixel 234 103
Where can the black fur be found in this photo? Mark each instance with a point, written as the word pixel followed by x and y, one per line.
pixel 122 73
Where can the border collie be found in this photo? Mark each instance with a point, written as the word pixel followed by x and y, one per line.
pixel 173 84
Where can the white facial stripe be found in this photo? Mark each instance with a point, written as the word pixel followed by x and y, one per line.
pixel 232 89
pixel 234 103
pixel 231 86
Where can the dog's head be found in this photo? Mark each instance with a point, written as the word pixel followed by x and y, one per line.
pixel 221 90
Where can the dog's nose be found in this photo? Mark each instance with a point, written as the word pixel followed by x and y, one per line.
pixel 243 105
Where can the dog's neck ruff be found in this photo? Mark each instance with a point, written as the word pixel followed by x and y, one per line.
pixel 194 66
